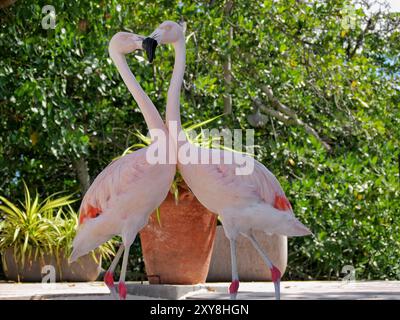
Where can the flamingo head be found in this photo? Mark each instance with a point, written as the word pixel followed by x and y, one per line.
pixel 168 32
pixel 125 42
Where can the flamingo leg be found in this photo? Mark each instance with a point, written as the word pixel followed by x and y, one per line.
pixel 121 284
pixel 234 287
pixel 275 273
pixel 109 276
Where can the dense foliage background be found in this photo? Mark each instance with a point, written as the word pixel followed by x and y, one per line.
pixel 318 80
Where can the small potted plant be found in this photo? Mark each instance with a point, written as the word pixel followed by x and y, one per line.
pixel 35 234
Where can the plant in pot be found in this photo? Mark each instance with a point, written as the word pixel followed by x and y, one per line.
pixel 35 233
pixel 178 240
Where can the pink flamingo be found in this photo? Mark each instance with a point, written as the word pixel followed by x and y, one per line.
pixel 245 202
pixel 128 190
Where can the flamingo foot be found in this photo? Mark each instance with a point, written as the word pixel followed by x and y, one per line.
pixel 233 289
pixel 276 278
pixel 122 290
pixel 109 279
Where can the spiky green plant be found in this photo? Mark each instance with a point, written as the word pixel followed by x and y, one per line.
pixel 34 228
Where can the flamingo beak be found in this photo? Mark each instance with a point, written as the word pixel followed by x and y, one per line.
pixel 149 45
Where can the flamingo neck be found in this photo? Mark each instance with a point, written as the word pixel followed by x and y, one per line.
pixel 173 117
pixel 149 111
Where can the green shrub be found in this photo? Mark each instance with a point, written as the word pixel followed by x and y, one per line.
pixel 34 228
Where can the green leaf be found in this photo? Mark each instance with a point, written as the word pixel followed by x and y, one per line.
pixel 158 216
pixel 16 232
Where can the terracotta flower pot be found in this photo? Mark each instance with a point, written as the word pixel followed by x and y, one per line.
pixel 251 267
pixel 86 268
pixel 179 251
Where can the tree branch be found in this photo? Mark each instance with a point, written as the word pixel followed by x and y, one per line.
pixel 82 172
pixel 276 114
pixel 286 115
pixel 360 39
pixel 277 104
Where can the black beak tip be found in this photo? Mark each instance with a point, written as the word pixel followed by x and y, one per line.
pixel 150 45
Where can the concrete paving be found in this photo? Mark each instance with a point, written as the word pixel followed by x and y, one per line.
pixel 34 291
pixel 312 290
pixel 303 290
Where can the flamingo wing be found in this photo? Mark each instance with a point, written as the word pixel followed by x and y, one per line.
pixel 126 183
pixel 245 201
pixel 258 185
